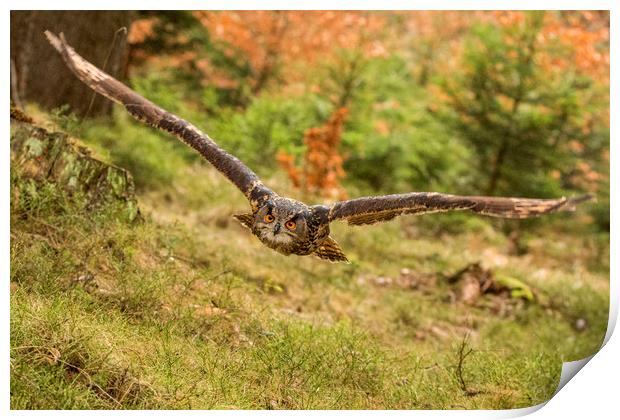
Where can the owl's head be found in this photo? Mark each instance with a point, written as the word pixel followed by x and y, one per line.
pixel 282 224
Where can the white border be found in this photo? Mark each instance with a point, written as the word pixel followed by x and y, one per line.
pixel 593 392
pixel 317 5
pixel 320 5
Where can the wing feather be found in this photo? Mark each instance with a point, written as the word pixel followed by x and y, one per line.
pixel 146 111
pixel 369 210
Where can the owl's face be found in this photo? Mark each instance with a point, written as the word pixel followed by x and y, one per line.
pixel 282 224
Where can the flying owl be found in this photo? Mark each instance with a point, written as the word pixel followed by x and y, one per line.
pixel 284 224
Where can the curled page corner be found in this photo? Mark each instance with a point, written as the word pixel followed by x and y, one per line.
pixel 520 412
pixel 570 369
pixel 613 314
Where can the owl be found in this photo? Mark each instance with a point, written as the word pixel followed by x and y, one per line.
pixel 284 224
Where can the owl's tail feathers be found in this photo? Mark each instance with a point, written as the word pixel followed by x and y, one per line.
pixel 330 250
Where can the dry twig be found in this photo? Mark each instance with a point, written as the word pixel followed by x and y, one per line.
pixel 462 354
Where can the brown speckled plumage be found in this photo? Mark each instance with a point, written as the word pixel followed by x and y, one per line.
pixel 286 225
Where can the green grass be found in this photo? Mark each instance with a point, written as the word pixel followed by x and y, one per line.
pixel 185 309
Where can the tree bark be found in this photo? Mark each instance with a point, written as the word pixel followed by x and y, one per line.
pixel 39 75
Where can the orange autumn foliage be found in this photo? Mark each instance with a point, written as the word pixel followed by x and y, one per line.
pixel 287 162
pixel 279 45
pixel 140 30
pixel 287 51
pixel 585 33
pixel 434 38
pixel 271 40
pixel 322 164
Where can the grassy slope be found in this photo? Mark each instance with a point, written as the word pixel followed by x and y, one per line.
pixel 187 310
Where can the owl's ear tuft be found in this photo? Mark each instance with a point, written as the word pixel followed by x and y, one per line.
pixel 330 250
pixel 246 219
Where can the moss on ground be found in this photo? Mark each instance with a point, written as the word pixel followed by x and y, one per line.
pixel 185 309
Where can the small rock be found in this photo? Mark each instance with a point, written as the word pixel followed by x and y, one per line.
pixel 85 277
pixel 420 334
pixel 449 297
pixel 493 258
pixel 54 355
pixel 383 281
pixel 244 339
pixel 222 222
pixel 469 291
pixel 213 311
pixel 439 332
pixel 581 324
pixel 406 279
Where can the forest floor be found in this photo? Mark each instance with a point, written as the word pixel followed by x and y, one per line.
pixel 184 308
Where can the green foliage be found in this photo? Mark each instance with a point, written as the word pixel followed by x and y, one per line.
pixel 416 152
pixel 391 140
pixel 515 115
pixel 65 119
pixel 269 124
pixel 153 158
pixel 517 288
pixel 601 211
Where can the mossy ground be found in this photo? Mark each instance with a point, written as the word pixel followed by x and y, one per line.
pixel 185 309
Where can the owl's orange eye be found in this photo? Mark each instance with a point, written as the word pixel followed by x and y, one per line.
pixel 290 225
pixel 269 218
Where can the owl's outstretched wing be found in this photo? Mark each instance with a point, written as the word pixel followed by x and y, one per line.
pixel 146 111
pixel 369 210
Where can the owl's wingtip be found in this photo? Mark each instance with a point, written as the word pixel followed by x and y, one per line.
pixel 582 198
pixel 53 39
pixel 57 41
pixel 571 203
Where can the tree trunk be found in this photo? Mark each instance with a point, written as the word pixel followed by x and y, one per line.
pixel 38 73
pixel 349 84
pixel 496 172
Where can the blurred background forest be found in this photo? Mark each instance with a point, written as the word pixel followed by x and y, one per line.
pixel 176 306
pixel 495 103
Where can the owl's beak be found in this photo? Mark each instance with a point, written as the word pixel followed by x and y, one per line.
pixel 276 228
